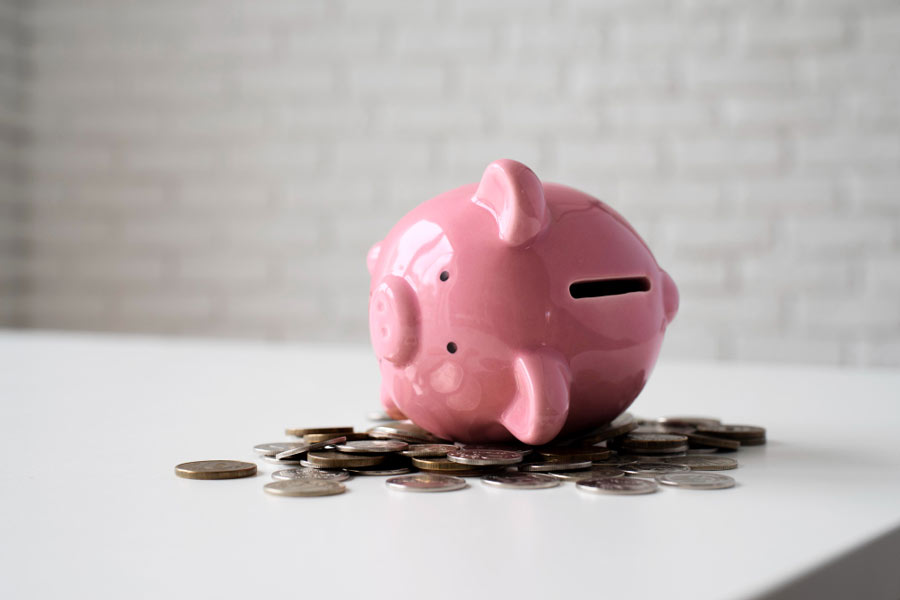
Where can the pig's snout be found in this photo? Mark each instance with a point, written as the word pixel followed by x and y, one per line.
pixel 394 320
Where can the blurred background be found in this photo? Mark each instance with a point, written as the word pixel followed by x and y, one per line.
pixel 220 168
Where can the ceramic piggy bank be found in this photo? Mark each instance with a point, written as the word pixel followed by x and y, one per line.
pixel 514 309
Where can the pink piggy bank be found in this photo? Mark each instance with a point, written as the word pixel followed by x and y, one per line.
pixel 512 309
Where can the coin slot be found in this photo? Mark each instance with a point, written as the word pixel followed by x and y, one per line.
pixel 596 288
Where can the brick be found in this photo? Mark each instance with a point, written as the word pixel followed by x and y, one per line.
pixel 316 117
pixel 621 77
pixel 312 44
pixel 473 156
pixel 837 235
pixel 504 79
pixel 661 36
pixel 380 156
pixel 724 155
pixel 556 37
pixel 684 342
pixel 162 159
pixel 707 237
pixel 751 74
pixel 608 157
pixel 881 272
pixel 395 80
pixel 843 151
pixel 164 305
pixel 430 118
pixel 777 112
pixel 697 277
pixel 775 348
pixel 210 269
pixel 660 116
pixel 846 314
pixel 805 33
pixel 781 272
pixel 729 312
pixel 667 198
pixel 876 195
pixel 286 80
pixel 784 195
pixel 444 44
pixel 499 10
pixel 270 158
pixel 881 30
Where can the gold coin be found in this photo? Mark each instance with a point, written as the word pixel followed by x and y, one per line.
pixel 331 459
pixel 215 469
pixel 304 487
pixel 445 465
pixel 300 432
pixel 698 440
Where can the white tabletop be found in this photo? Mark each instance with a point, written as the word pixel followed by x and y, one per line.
pixel 93 426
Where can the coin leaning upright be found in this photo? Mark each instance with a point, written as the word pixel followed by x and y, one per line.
pixel 215 469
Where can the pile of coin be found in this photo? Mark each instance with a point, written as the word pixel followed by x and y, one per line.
pixel 627 456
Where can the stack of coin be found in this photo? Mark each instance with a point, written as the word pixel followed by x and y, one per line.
pixel 627 456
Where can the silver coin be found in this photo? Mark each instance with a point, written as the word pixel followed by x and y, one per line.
pixel 617 485
pixel 427 450
pixel 521 481
pixel 380 472
pixel 273 448
pixel 595 473
pixel 469 456
pixel 282 462
pixel 651 469
pixel 682 449
pixel 304 487
pixel 307 473
pixel 704 463
pixel 309 446
pixel 372 446
pixel 701 451
pixel 426 482
pixel 697 481
pixel 403 430
pixel 688 421
pixel 546 467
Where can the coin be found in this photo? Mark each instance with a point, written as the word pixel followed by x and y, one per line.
pixel 595 473
pixel 688 421
pixel 283 461
pixel 306 447
pixel 700 440
pixel 215 469
pixel 733 432
pixel 673 451
pixel 572 465
pixel 300 432
pixel 443 464
pixel 427 450
pixel 653 441
pixel 704 463
pixel 309 473
pixel 617 485
pixel 373 446
pixel 469 456
pixel 697 481
pixel 574 453
pixel 304 487
pixel 380 472
pixel 649 469
pixel 332 459
pixel 403 430
pixel 273 448
pixel 521 481
pixel 426 482
pixel 618 426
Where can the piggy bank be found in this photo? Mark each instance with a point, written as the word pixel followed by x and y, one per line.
pixel 514 309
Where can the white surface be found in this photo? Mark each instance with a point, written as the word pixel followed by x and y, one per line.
pixel 92 428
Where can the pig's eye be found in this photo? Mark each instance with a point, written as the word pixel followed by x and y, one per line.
pixel 445 275
pixel 594 288
pixel 451 347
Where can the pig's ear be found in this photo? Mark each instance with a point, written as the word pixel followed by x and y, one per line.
pixel 514 195
pixel 372 257
pixel 540 406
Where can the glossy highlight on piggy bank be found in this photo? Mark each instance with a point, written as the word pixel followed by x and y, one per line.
pixel 515 309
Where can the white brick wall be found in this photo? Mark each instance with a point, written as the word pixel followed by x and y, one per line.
pixel 218 167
